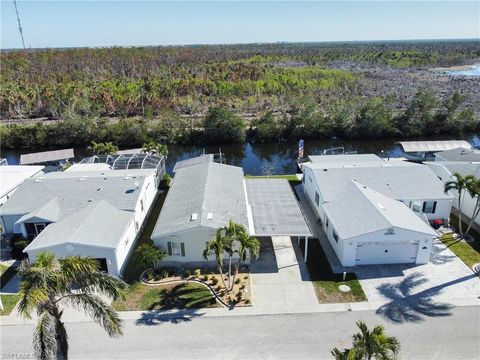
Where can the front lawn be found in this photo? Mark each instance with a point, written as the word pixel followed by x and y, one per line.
pixel 162 297
pixel 326 283
pixel 9 302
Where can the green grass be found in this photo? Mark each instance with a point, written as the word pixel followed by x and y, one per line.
pixel 133 269
pixel 291 177
pixel 9 302
pixel 162 297
pixel 326 283
pixel 468 252
pixel 7 272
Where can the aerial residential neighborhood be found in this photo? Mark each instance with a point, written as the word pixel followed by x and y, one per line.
pixel 240 180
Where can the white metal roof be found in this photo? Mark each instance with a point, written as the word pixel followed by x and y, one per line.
pixel 193 161
pixel 432 146
pixel 89 167
pixel 359 210
pixel 11 176
pixel 44 156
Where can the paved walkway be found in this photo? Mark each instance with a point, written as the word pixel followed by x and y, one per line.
pixel 279 277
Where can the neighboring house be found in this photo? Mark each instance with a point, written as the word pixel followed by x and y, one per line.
pixel 204 196
pixel 86 213
pixel 375 211
pixel 445 170
pixel 459 155
pixel 425 150
pixel 12 176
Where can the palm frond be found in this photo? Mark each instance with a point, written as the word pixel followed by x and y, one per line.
pixel 100 312
pixel 44 337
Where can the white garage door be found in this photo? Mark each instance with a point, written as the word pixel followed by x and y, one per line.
pixel 386 252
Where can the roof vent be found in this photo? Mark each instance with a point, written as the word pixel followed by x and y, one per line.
pixel 90 200
pixel 99 189
pixel 210 216
pixel 381 206
pixel 81 179
pixel 193 217
pixel 325 169
pixel 126 178
pixel 37 180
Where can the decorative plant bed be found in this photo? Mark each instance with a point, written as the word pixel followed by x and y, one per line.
pixel 240 295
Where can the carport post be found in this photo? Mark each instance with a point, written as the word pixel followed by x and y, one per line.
pixel 306 247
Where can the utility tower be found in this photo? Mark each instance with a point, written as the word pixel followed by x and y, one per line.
pixel 19 24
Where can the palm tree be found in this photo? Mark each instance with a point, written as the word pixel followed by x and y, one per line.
pixel 153 147
pixel 217 247
pixel 149 255
pixel 369 345
pixel 459 184
pixel 106 148
pixel 232 239
pixel 48 283
pixel 473 188
pixel 246 245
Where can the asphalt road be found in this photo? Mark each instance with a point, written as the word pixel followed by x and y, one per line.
pixel 302 336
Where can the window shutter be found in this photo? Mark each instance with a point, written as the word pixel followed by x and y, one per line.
pixel 182 248
pixel 423 206
pixel 169 245
pixel 434 207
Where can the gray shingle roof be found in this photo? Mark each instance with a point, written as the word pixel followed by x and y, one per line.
pixel 412 182
pixel 94 224
pixel 192 161
pixel 44 156
pixel 203 188
pixel 462 168
pixel 358 210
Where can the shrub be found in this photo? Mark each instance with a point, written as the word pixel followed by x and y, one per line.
pixel 205 277
pixel 245 277
pixel 214 280
pixel 164 274
pixel 247 301
pixel 149 276
pixel 187 273
pixel 242 287
pixel 197 273
pixel 218 288
pixel 239 295
pixel 237 281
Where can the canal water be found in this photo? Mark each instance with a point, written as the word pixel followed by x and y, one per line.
pixel 271 158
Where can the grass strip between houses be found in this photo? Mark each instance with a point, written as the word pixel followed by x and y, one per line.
pixel 326 282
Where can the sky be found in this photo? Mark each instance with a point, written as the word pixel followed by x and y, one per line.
pixel 71 23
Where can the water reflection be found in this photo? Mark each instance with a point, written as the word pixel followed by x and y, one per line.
pixel 274 158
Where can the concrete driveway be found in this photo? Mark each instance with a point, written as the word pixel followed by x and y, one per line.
pixel 280 278
pixel 444 281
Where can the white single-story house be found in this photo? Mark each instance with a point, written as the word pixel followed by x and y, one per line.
pixel 12 176
pixel 203 197
pixel 375 211
pixel 445 170
pixel 86 213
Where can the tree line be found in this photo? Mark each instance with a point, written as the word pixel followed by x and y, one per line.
pixel 374 118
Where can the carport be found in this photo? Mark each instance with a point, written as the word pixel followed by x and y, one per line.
pixel 273 210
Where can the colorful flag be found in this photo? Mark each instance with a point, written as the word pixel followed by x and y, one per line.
pixel 300 149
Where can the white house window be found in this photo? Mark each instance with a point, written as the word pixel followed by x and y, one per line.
pixel 141 205
pixel 176 248
pixel 126 242
pixel 317 198
pixel 326 222
pixel 136 225
pixel 429 207
pixel 335 236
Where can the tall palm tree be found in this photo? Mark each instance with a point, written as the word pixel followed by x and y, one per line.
pixel 459 184
pixel 473 188
pixel 216 247
pixel 106 148
pixel 347 354
pixel 231 239
pixel 48 283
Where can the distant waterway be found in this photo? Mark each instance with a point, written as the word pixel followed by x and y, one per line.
pixel 467 70
pixel 271 158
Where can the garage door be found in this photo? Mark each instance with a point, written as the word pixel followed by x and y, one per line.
pixel 386 252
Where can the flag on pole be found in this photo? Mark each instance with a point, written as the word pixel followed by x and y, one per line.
pixel 300 149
